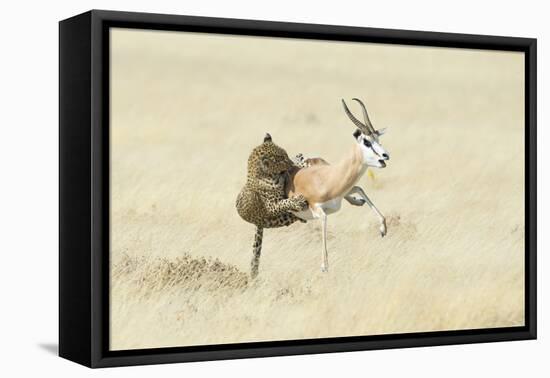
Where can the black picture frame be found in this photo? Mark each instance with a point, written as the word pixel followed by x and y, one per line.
pixel 84 187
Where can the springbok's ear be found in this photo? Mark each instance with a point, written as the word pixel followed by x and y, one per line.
pixel 356 133
pixel 381 131
pixel 267 138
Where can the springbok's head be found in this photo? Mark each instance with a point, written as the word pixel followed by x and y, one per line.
pixel 374 155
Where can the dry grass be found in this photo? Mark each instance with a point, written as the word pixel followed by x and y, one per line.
pixel 452 192
pixel 151 276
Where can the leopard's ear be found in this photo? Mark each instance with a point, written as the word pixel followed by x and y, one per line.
pixel 267 138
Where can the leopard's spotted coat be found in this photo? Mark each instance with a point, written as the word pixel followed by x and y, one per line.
pixel 262 201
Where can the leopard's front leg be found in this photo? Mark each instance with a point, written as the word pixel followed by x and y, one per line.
pixel 275 208
pixel 282 220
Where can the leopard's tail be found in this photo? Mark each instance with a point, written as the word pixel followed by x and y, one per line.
pixel 256 251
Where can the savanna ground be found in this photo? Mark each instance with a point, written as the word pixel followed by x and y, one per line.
pixel 188 108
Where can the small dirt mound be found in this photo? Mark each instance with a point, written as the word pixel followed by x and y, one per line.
pixel 155 274
pixel 404 227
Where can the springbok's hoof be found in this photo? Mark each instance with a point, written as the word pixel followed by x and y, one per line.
pixel 324 269
pixel 383 229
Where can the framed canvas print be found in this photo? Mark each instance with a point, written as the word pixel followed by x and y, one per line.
pixel 234 188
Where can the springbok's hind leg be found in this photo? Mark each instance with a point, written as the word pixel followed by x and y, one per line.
pixel 358 190
pixel 256 252
pixel 320 213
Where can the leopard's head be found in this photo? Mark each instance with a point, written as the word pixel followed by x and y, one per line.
pixel 268 159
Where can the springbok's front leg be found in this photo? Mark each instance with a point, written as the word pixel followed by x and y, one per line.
pixel 319 213
pixel 354 201
pixel 361 192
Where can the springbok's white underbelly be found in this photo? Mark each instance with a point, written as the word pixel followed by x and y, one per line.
pixel 328 207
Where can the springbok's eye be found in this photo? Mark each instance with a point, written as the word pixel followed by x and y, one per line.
pixel 367 143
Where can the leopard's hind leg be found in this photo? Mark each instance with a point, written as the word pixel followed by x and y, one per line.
pixel 282 220
pixel 256 251
pixel 299 161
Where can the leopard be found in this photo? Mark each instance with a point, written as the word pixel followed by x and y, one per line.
pixel 263 201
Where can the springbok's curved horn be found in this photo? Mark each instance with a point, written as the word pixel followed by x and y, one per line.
pixel 368 123
pixel 355 121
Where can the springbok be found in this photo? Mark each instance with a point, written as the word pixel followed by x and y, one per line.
pixel 325 186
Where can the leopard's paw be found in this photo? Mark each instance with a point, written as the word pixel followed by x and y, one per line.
pixel 300 203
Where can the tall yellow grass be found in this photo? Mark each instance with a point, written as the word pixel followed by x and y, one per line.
pixel 188 108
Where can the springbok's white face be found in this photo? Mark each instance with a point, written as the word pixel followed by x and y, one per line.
pixel 374 154
pixel 367 137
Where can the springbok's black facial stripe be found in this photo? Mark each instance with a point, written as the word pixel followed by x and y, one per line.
pixel 369 145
